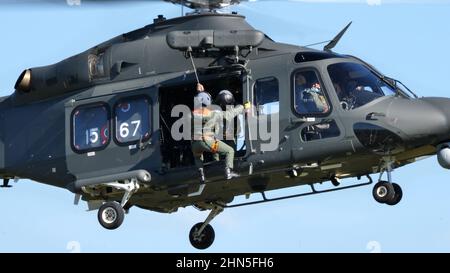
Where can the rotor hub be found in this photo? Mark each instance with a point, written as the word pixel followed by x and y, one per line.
pixel 205 5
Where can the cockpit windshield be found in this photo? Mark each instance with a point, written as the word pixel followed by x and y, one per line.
pixel 404 90
pixel 356 85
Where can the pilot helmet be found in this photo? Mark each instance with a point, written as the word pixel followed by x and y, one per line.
pixel 202 99
pixel 225 98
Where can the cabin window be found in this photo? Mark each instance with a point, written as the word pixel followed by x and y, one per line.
pixel 322 130
pixel 309 96
pixel 267 103
pixel 90 127
pixel 267 97
pixel 132 120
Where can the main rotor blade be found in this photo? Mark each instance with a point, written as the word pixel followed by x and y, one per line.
pixel 213 3
pixel 194 4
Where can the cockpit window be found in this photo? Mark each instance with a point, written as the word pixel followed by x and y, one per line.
pixel 356 85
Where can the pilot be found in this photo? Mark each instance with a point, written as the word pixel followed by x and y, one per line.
pixel 318 97
pixel 309 97
pixel 354 86
pixel 205 129
pixel 312 100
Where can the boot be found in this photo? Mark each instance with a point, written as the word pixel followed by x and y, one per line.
pixel 229 174
pixel 202 175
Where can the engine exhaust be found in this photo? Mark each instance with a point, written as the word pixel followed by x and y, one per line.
pixel 23 83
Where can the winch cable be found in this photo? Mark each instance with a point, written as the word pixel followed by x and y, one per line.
pixel 193 64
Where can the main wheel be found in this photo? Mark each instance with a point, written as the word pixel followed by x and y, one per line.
pixel 383 192
pixel 397 196
pixel 110 215
pixel 204 239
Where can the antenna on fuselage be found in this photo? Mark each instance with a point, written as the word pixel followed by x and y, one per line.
pixel 336 39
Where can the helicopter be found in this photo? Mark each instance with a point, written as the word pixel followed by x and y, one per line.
pixel 110 111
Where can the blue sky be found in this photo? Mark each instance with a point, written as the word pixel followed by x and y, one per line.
pixel 407 40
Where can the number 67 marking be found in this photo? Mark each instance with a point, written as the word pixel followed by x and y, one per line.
pixel 124 131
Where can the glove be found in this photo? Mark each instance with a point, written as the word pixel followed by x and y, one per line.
pixel 247 105
pixel 200 87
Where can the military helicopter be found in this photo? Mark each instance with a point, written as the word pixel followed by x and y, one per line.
pixel 110 111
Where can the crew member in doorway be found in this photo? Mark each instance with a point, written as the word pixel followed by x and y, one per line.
pixel 206 124
pixel 226 101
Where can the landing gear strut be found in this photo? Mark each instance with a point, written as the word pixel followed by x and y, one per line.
pixel 386 192
pixel 202 235
pixel 111 214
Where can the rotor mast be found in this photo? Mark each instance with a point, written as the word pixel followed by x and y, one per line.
pixel 201 6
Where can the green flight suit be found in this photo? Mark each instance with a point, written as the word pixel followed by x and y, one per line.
pixel 206 124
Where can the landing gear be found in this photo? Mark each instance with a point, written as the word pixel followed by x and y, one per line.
pixel 397 196
pixel 383 192
pixel 335 181
pixel 204 239
pixel 111 215
pixel 202 235
pixel 386 192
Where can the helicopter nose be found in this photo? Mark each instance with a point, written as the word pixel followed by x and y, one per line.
pixel 424 121
pixel 439 119
pixel 442 141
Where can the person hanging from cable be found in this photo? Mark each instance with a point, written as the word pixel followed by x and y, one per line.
pixel 206 126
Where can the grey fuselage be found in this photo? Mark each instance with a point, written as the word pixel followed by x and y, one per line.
pixel 36 138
